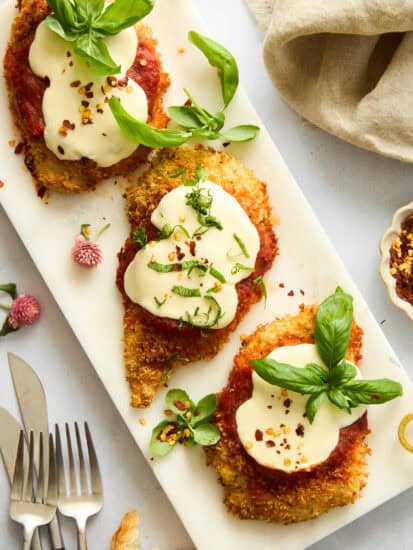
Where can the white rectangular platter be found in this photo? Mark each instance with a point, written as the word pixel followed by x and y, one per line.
pixel 92 304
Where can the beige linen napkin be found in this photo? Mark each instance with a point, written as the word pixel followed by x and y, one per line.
pixel 346 66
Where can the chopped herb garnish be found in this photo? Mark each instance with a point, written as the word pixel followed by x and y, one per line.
pixel 236 268
pixel 175 357
pixel 186 292
pixel 201 201
pixel 168 229
pixel 199 177
pixel 241 245
pixel 189 426
pixel 191 319
pixel 140 236
pixel 179 172
pixel 159 303
pixel 259 281
pixel 193 264
pixel 164 268
pixel 217 274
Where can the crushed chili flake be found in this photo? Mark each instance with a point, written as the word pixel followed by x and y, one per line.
pixel 259 435
pixel 302 291
pixel 1 184
pixel 60 149
pixel 88 86
pixel 192 245
pixel 85 103
pixel 19 148
pixel 287 403
pixel 179 405
pixel 89 94
pixel 68 125
pixel 112 81
pixel 281 285
pixel 270 443
pixel 299 430
pixel 291 293
pixel 401 260
pixel 75 84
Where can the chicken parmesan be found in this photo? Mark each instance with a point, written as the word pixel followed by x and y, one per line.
pixel 60 106
pixel 275 465
pixel 201 240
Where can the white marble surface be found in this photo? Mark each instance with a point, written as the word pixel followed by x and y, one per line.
pixel 353 193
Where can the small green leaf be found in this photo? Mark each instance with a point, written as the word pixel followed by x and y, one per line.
pixel 186 116
pixel 204 410
pixel 140 236
pixel 217 274
pixel 157 447
pixel 333 327
pixel 222 59
pixel 341 374
pixel 186 292
pixel 301 380
pixel 122 14
pixel 176 400
pixel 95 52
pixel 314 402
pixel 372 392
pixel 339 399
pixel 206 434
pixel 11 290
pixel 53 23
pixel 236 268
pixel 245 132
pixel 143 133
pixel 158 302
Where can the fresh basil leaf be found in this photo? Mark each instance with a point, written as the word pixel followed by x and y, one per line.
pixel 95 52
pixel 186 116
pixel 301 380
pixel 176 401
pixel 245 132
pixel 313 404
pixel 204 410
pixel 122 14
pixel 206 434
pixel 186 292
pixel 10 288
pixel 222 59
pixel 341 374
pixel 92 8
pixel 66 33
pixel 339 399
pixel 143 133
pixel 157 447
pixel 318 370
pixel 333 327
pixel 140 236
pixel 65 12
pixel 372 392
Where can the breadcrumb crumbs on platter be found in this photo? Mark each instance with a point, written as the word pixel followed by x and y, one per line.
pixel 401 260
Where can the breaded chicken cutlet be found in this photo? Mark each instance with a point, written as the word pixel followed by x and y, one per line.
pixel 252 491
pixel 155 346
pixel 26 92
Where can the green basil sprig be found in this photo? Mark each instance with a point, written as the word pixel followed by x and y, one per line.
pixel 190 424
pixel 336 382
pixel 194 120
pixel 85 23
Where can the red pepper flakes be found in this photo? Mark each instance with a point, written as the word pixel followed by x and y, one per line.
pixel 302 291
pixel 401 260
pixel 270 443
pixel 1 184
pixel 299 430
pixel 68 125
pixel 19 148
pixel 75 84
pixel 281 285
pixel 179 405
pixel 259 435
pixel 287 403
pixel 291 293
pixel 60 149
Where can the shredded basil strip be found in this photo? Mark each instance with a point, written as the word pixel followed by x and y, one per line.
pixel 217 274
pixel 236 268
pixel 186 292
pixel 159 303
pixel 164 268
pixel 241 244
pixel 168 229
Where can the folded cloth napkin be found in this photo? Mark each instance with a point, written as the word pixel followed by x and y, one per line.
pixel 346 66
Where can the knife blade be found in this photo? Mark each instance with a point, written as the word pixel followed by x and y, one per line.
pixel 9 439
pixel 33 409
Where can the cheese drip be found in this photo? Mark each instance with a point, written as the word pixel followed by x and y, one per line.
pixel 287 441
pixel 76 95
pixel 218 252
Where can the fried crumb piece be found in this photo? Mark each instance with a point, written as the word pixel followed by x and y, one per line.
pixel 181 50
pixel 12 142
pixel 1 184
pixel 142 421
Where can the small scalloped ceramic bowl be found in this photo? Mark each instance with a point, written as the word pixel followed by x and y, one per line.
pixel 385 244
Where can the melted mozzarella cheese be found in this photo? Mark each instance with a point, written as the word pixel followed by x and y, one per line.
pixel 272 425
pixel 216 248
pixel 77 94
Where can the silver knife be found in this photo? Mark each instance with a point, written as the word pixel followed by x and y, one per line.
pixel 33 408
pixel 9 438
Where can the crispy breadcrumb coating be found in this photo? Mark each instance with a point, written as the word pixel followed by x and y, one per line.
pixel 153 345
pixel 127 536
pixel 25 95
pixel 252 491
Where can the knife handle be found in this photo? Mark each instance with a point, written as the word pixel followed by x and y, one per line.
pixel 36 544
pixel 56 534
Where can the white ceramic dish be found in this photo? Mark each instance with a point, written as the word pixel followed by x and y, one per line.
pixel 93 306
pixel 385 244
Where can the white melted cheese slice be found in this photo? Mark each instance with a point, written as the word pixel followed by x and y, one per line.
pixel 272 425
pixel 102 140
pixel 215 247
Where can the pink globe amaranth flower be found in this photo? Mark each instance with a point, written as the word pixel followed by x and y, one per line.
pixel 85 253
pixel 25 310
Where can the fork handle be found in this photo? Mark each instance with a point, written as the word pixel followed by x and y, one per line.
pixel 81 539
pixel 56 534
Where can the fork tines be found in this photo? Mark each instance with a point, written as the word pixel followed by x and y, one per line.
pixel 46 492
pixel 88 480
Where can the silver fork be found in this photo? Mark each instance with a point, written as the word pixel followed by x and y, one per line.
pixel 25 508
pixel 80 500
